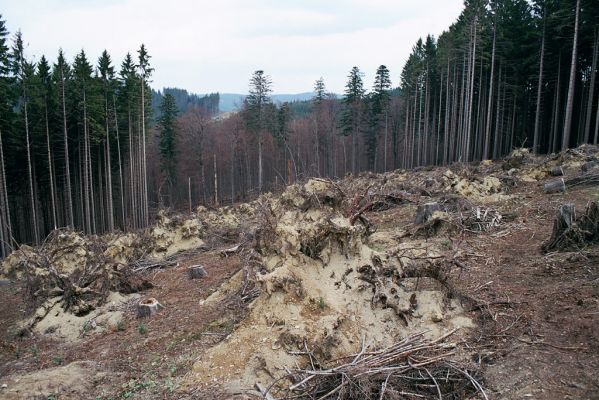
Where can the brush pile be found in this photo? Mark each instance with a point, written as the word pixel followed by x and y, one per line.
pixel 411 368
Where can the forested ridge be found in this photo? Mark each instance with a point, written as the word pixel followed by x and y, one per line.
pixel 87 144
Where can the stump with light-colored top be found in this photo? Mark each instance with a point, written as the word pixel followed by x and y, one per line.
pixel 148 307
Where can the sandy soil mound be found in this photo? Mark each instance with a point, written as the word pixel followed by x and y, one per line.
pixel 324 288
pixel 80 284
pixel 72 381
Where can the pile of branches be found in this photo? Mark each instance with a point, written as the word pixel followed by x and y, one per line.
pixel 482 220
pixel 584 180
pixel 415 367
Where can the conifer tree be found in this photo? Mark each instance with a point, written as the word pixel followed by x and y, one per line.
pixel 379 114
pixel 144 73
pixel 24 72
pixel 5 110
pixel 352 117
pixel 255 113
pixel 107 75
pixel 61 75
pixel 168 149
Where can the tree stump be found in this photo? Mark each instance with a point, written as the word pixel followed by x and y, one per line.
pixel 567 215
pixel 425 211
pixel 148 307
pixel 563 235
pixel 555 186
pixel 196 272
pixel 557 171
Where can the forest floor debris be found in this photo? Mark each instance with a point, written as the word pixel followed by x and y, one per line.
pixel 309 285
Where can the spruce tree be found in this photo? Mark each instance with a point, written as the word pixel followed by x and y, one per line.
pixel 24 73
pixel 352 117
pixel 6 236
pixel 144 73
pixel 168 148
pixel 61 75
pixel 378 115
pixel 255 113
pixel 107 76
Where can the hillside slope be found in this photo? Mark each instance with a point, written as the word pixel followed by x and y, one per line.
pixel 450 279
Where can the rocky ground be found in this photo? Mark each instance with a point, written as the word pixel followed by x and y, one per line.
pixel 457 278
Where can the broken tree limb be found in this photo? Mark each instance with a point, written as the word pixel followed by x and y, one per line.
pixel 230 250
pixel 264 392
pixel 555 186
pixel 585 180
pixel 197 272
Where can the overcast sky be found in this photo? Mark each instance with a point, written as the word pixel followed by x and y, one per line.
pixel 208 46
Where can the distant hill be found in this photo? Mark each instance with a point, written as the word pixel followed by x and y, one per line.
pixel 227 102
pixel 233 101
pixel 185 101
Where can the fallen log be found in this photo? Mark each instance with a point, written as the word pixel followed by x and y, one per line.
pixel 555 186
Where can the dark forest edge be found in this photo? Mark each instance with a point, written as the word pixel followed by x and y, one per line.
pixel 85 146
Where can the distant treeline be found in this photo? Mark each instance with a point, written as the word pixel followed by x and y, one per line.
pixel 184 101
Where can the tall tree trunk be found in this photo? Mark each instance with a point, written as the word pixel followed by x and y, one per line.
pixel 30 171
pixel 498 115
pixel 535 142
pixel 118 149
pixel 260 170
pixel 146 216
pixel 86 173
pixel 487 145
pixel 132 169
pixel 7 226
pixel 587 126
pixel 215 182
pixel 447 140
pixel 109 203
pixel 570 101
pixel 557 102
pixel 386 139
pixel 68 194
pixel 471 94
pixel 50 168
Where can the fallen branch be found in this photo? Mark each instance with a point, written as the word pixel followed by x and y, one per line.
pixel 415 366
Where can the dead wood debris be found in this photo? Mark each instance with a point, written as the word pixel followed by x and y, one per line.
pixel 414 367
pixel 571 233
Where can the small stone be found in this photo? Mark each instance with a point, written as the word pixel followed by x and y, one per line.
pixel 437 317
pixel 4 386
